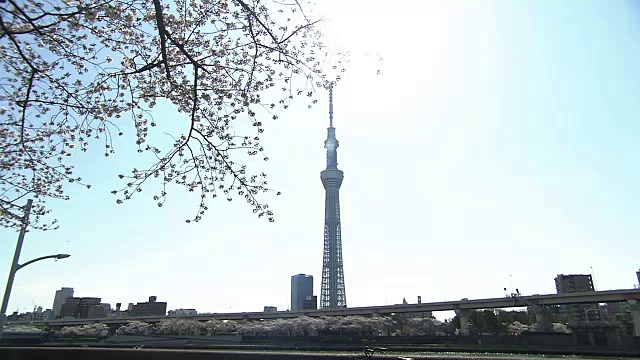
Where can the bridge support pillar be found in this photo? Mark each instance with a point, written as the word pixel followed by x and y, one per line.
pixel 635 315
pixel 544 322
pixel 463 315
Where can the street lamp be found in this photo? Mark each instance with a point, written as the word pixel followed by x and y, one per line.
pixel 12 274
pixel 57 257
pixel 15 266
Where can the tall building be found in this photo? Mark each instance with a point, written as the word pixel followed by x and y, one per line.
pixel 578 313
pixel 59 299
pixel 99 311
pixel 638 275
pixel 310 303
pixel 332 293
pixel 301 287
pixel 590 324
pixel 150 308
pixel 574 283
pixel 78 307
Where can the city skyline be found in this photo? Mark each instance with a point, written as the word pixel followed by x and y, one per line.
pixel 301 288
pixel 499 153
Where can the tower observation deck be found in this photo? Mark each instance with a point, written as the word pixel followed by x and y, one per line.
pixel 332 293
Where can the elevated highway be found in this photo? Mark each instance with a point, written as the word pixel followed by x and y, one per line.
pixel 631 295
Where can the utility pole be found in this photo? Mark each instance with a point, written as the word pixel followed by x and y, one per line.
pixel 15 264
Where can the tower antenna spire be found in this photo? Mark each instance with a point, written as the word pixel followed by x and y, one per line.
pixel 331 105
pixel 332 294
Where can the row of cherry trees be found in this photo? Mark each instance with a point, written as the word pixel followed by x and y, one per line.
pixel 508 322
pixel 348 325
pixel 301 326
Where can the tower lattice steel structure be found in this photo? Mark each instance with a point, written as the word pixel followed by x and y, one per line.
pixel 332 292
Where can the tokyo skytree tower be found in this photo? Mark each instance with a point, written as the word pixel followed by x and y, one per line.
pixel 332 292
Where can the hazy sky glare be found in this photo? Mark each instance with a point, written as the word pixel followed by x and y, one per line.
pixel 499 139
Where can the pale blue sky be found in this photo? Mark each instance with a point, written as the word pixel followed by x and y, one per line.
pixel 499 139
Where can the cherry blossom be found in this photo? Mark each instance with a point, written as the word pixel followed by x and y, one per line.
pixel 81 73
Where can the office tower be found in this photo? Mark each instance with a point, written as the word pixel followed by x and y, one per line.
pixel 301 287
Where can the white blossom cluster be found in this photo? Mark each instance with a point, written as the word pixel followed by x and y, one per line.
pixel 81 72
